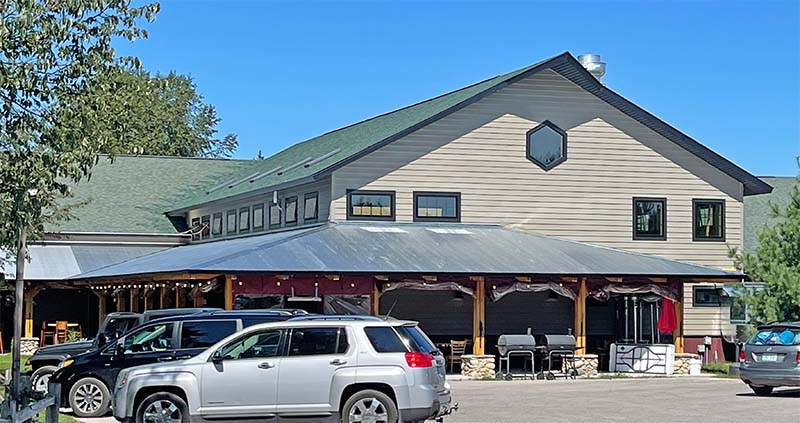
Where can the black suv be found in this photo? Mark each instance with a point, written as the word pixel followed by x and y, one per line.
pixel 87 379
pixel 45 360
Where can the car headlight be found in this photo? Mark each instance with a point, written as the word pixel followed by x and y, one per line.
pixel 122 380
pixel 65 363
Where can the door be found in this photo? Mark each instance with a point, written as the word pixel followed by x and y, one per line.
pixel 148 344
pixel 243 382
pixel 314 356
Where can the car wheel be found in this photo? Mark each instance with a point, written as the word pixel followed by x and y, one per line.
pixel 41 377
pixel 761 390
pixel 89 397
pixel 369 407
pixel 162 407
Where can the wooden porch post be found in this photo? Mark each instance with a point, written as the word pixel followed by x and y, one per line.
pixel 678 334
pixel 479 316
pixel 198 299
pixel 180 297
pixel 134 299
pixel 148 299
pixel 228 292
pixel 376 299
pixel 101 306
pixel 580 315
pixel 163 301
pixel 121 301
pixel 29 295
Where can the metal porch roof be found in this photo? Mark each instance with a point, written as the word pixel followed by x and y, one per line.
pixel 385 248
pixel 59 262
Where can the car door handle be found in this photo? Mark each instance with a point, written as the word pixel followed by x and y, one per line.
pixel 167 358
pixel 338 362
pixel 266 365
pixel 183 357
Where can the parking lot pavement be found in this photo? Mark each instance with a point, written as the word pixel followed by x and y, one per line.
pixel 656 400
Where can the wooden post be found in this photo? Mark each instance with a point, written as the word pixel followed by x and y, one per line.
pixel 580 316
pixel 29 296
pixel 228 292
pixel 101 306
pixel 134 298
pixel 121 301
pixel 677 336
pixel 479 316
pixel 198 299
pixel 148 299
pixel 376 299
pixel 180 297
pixel 163 301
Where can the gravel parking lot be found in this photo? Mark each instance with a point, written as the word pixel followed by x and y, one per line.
pixel 678 400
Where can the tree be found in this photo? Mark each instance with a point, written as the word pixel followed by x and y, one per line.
pixel 150 114
pixel 776 261
pixel 52 53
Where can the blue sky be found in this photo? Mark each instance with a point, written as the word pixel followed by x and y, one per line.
pixel 726 73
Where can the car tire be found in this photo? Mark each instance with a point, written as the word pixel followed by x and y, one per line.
pixel 364 402
pixel 41 377
pixel 89 397
pixel 172 405
pixel 761 391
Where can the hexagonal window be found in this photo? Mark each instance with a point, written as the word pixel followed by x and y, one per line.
pixel 546 145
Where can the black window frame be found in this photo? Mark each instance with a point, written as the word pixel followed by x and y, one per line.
pixel 645 237
pixel 253 226
pixel 195 227
pixel 235 214
pixel 392 196
pixel 695 303
pixel 456 195
pixel 306 197
pixel 695 203
pixel 221 226
pixel 286 201
pixel 246 212
pixel 275 207
pixel 205 224
pixel 539 127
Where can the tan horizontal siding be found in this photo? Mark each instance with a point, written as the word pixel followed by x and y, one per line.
pixel 480 152
pixel 704 321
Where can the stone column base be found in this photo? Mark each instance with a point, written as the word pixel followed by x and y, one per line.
pixel 478 366
pixel 585 364
pixel 28 346
pixel 682 363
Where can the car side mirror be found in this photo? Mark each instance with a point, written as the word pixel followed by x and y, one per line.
pixel 216 357
pixel 119 350
pixel 102 340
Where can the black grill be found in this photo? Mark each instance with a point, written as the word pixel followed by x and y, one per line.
pixel 557 343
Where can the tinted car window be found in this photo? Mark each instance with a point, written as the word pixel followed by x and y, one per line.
pixel 150 339
pixel 117 326
pixel 203 334
pixel 317 341
pixel 258 345
pixel 250 321
pixel 415 339
pixel 385 340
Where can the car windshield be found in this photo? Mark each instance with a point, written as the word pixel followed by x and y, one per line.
pixel 776 336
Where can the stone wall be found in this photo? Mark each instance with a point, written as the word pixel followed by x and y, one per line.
pixel 478 366
pixel 585 364
pixel 28 346
pixel 682 362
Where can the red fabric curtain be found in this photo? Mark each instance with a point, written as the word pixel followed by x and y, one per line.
pixel 667 323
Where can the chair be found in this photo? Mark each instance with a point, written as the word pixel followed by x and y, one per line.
pixel 44 334
pixel 60 335
pixel 457 349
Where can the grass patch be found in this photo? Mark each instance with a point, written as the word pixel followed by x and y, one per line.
pixel 612 376
pixel 719 368
pixel 5 362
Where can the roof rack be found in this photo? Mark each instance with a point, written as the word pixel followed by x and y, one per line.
pixel 315 318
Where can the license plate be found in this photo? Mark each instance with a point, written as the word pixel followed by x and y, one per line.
pixel 769 357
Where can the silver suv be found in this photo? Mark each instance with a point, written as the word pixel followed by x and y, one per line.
pixel 329 369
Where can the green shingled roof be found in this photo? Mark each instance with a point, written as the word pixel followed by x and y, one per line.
pixel 757 211
pixel 131 194
pixel 339 145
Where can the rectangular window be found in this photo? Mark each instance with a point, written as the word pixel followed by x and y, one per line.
pixel 258 217
pixel 385 340
pixel 290 208
pixel 437 206
pixel 739 310
pixel 274 216
pixel 708 220
pixel 650 218
pixel 244 219
pixel 261 344
pixel 216 224
pixel 370 205
pixel 318 341
pixel 205 223
pixel 205 334
pixel 310 207
pixel 706 297
pixel 149 339
pixel 231 222
pixel 195 228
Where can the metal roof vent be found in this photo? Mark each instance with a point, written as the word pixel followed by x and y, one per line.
pixel 593 64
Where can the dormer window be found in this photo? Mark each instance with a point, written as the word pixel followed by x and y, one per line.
pixel 546 145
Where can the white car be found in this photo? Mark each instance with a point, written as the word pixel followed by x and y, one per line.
pixel 329 369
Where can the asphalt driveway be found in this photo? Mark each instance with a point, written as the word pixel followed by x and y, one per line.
pixel 656 400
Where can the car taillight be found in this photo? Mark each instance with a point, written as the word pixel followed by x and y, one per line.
pixel 419 359
pixel 742 356
pixel 797 359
